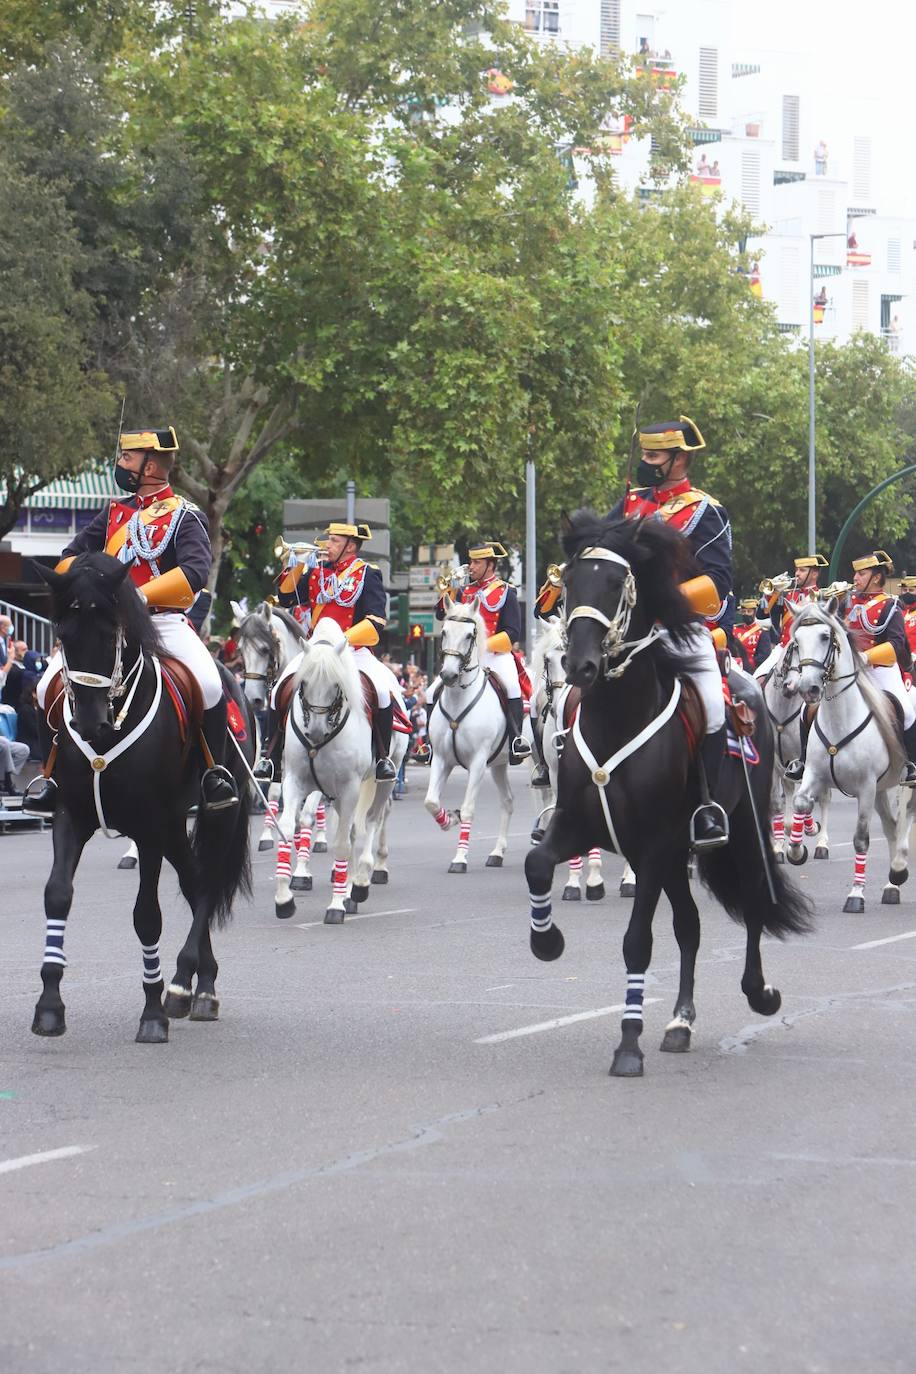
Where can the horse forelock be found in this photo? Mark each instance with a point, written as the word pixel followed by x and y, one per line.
pixel 255 630
pixel 95 580
pixel 466 612
pixel 324 672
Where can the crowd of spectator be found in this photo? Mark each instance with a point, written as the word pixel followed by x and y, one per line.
pixel 20 670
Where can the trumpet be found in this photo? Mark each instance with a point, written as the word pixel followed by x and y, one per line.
pixel 770 586
pixel 837 589
pixel 451 580
pixel 284 551
pixel 555 574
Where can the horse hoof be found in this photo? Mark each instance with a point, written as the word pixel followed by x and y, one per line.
pixel 571 894
pixel 854 906
pixel 334 916
pixel 301 884
pixel 264 844
pixel 594 893
pixel 458 868
pixel 205 1007
pixel 628 889
pixel 797 855
pixel 283 910
pixel 128 861
pixel 359 892
pixel 898 876
pixel 676 1040
pixel 780 858
pixel 547 944
pixel 890 896
pixel 49 1021
pixel 494 861
pixel 177 1003
pixel 320 847
pixel 822 852
pixel 627 1064
pixel 766 1002
pixel 153 1033
pixel 379 877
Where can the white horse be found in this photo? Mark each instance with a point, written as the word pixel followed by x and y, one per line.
pixel 853 746
pixel 328 750
pixel 467 728
pixel 785 710
pixel 269 638
pixel 549 702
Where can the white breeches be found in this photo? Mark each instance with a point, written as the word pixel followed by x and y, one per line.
pixel 705 676
pixel 506 669
pixel 179 641
pixel 890 679
pixel 382 678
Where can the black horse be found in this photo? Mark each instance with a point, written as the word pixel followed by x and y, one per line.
pixel 112 685
pixel 621 582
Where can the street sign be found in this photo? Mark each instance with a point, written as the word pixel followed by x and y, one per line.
pixel 422 576
pixel 423 599
pixel 426 621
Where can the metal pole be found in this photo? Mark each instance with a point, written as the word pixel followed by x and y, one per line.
pixel 351 502
pixel 812 478
pixel 531 552
pixel 856 512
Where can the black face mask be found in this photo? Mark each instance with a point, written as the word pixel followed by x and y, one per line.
pixel 748 617
pixel 908 598
pixel 653 474
pixel 127 480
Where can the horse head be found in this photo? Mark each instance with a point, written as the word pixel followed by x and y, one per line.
pixel 820 641
pixel 103 627
pixel 258 644
pixel 328 680
pixel 621 580
pixel 463 642
pixel 548 660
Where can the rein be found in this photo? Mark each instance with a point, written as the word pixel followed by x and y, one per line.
pixel 313 748
pixel 826 667
pixel 615 644
pixel 467 663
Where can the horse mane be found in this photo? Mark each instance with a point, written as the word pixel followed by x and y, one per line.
pixel 659 556
pixel 329 670
pixel 290 622
pixel 550 638
pixel 92 574
pixel 467 612
pixel 816 614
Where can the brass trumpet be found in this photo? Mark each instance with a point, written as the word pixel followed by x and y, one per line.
pixel 284 551
pixel 774 585
pixel 451 579
pixel 837 589
pixel 555 574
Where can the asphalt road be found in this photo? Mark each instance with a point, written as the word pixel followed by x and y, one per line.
pixel 348 1172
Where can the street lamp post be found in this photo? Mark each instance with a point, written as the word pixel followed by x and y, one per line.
pixel 812 464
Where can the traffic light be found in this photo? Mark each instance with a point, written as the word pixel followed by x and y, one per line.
pixel 415 634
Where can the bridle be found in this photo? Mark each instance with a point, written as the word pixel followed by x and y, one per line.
pixel 826 665
pixel 116 684
pixel 466 658
pixel 337 718
pixel 615 645
pixel 269 675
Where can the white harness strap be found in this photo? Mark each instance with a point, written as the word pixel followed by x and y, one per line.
pixel 99 762
pixel 601 773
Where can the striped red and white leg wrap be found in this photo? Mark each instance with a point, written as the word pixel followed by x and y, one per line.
pixel 339 881
pixel 304 841
pixel 441 818
pixel 779 827
pixel 321 816
pixel 594 856
pixel 798 828
pixel 575 865
pixel 859 871
pixel 464 836
pixel 273 811
pixel 284 854
pixel 810 825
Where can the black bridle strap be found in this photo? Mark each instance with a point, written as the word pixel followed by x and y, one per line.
pixel 455 721
pixel 834 749
pixel 313 748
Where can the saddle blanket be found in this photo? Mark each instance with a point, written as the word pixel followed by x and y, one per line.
pixel 735 746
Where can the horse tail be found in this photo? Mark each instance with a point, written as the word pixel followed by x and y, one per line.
pixel 220 838
pixel 742 888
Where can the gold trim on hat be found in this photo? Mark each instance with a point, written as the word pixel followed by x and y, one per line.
pixel 814 560
pixel 878 559
pixel 358 531
pixel 673 438
pixel 492 550
pixel 148 438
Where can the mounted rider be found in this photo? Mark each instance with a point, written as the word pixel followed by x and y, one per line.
pixel 752 633
pixel 779 598
pixel 497 604
pixel 165 541
pixel 338 584
pixel 877 629
pixel 667 493
pixel 907 599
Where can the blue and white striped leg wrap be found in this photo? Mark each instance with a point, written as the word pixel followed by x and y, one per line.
pixel 54 942
pixel 541 908
pixel 152 973
pixel 636 986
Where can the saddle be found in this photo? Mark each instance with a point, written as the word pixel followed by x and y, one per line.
pixel 400 723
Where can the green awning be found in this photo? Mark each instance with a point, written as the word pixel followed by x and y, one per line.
pixel 744 69
pixel 782 177
pixel 699 136
pixel 826 269
pixel 87 491
pixel 788 328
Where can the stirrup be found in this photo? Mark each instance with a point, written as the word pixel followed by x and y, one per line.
pixel 520 749
pixel 700 844
pixel 49 799
pixel 264 772
pixel 795 770
pixel 219 774
pixel 541 776
pixel 385 770
pixel 908 776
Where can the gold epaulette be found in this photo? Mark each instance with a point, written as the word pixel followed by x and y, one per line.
pixel 687 498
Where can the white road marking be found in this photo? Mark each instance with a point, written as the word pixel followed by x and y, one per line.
pixel 557 1022
pixel 8 1166
pixel 360 916
pixel 889 940
pixel 500 987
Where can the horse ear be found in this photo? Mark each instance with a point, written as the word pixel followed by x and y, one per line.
pixel 342 643
pixel 238 615
pixel 266 611
pixel 56 581
pixel 833 605
pixel 565 522
pixel 120 573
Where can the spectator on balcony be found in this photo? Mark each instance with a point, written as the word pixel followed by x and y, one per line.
pixel 852 242
pixel 821 297
pixel 645 52
pixel 702 166
pixel 820 159
pixel 714 169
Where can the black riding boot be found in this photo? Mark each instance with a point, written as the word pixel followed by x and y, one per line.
pixel 43 801
pixel 541 775
pixel 795 768
pixel 709 823
pixel 519 749
pixel 217 786
pixel 385 770
pixel 270 766
pixel 8 789
pixel 909 744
